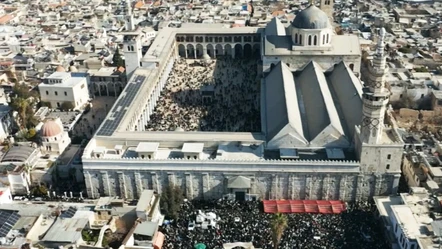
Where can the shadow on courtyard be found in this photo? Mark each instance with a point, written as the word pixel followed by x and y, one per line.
pixel 223 95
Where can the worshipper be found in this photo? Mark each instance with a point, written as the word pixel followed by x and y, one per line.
pixel 246 222
pixel 234 105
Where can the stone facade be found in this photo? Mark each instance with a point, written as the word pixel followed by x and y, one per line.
pixel 209 184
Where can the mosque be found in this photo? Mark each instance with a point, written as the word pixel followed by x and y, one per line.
pixel 324 134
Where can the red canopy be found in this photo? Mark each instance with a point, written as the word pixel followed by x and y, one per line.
pixel 304 206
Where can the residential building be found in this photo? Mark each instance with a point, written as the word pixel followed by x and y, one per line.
pixel 61 87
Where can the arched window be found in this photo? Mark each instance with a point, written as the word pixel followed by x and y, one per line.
pixel 328 38
pixel 300 39
pixel 296 38
pixel 309 40
pixel 323 39
pixel 352 66
pixel 315 40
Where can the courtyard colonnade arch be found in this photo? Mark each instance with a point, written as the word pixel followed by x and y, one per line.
pixel 236 46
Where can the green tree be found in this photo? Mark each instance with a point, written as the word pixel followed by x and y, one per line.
pixel 41 190
pixel 67 105
pixel 171 200
pixel 31 134
pixel 278 225
pixel 20 105
pixel 46 103
pixel 117 59
pixel 22 102
pixel 421 70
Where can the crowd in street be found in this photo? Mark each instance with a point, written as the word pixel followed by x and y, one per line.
pixel 220 95
pixel 245 222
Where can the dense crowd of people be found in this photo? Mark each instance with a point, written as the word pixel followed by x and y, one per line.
pixel 221 95
pixel 245 222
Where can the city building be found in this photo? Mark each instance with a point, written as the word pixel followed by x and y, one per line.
pixel 411 220
pixel 6 121
pixel 64 87
pixel 5 195
pixel 148 207
pixel 333 144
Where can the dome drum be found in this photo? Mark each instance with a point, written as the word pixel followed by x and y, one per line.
pixel 311 28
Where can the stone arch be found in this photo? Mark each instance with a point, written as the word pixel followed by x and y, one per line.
pixel 257 50
pixel 238 51
pixel 190 51
pixel 182 51
pixel 228 50
pixel 309 40
pixel 211 50
pixel 248 52
pixel 315 40
pixel 199 51
pixel 296 38
pixel 219 50
pixel 300 39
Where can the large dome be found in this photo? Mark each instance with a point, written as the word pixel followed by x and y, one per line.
pixel 50 129
pixel 311 18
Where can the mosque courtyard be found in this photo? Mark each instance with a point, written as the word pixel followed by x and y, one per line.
pixel 217 95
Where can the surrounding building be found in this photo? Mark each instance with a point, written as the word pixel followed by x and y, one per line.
pixel 53 137
pixel 65 87
pixel 323 142
pixel 411 221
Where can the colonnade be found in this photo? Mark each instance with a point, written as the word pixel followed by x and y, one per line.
pixel 236 50
pixel 140 125
pixel 109 87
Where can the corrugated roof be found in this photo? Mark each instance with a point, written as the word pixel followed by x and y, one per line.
pixel 18 154
pixel 66 230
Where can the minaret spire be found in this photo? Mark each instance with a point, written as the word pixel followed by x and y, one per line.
pixel 130 26
pixel 375 97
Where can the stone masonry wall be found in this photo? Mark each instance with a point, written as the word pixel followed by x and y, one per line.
pixel 207 185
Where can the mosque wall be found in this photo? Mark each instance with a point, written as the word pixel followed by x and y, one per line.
pixel 325 61
pixel 266 185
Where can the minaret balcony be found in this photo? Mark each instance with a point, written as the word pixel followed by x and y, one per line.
pixel 375 102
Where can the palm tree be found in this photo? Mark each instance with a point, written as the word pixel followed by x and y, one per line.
pixel 278 224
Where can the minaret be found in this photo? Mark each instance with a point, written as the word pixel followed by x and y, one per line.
pixel 375 96
pixel 130 26
pixel 131 43
pixel 327 7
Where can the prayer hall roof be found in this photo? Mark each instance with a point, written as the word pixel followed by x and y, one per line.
pixel 312 107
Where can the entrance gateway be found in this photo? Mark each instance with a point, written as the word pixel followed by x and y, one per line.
pixel 239 186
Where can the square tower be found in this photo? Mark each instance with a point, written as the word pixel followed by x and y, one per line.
pixel 327 7
pixel 132 52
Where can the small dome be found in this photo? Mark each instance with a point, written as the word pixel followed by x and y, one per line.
pixel 73 69
pixel 311 18
pixel 60 69
pixel 50 129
